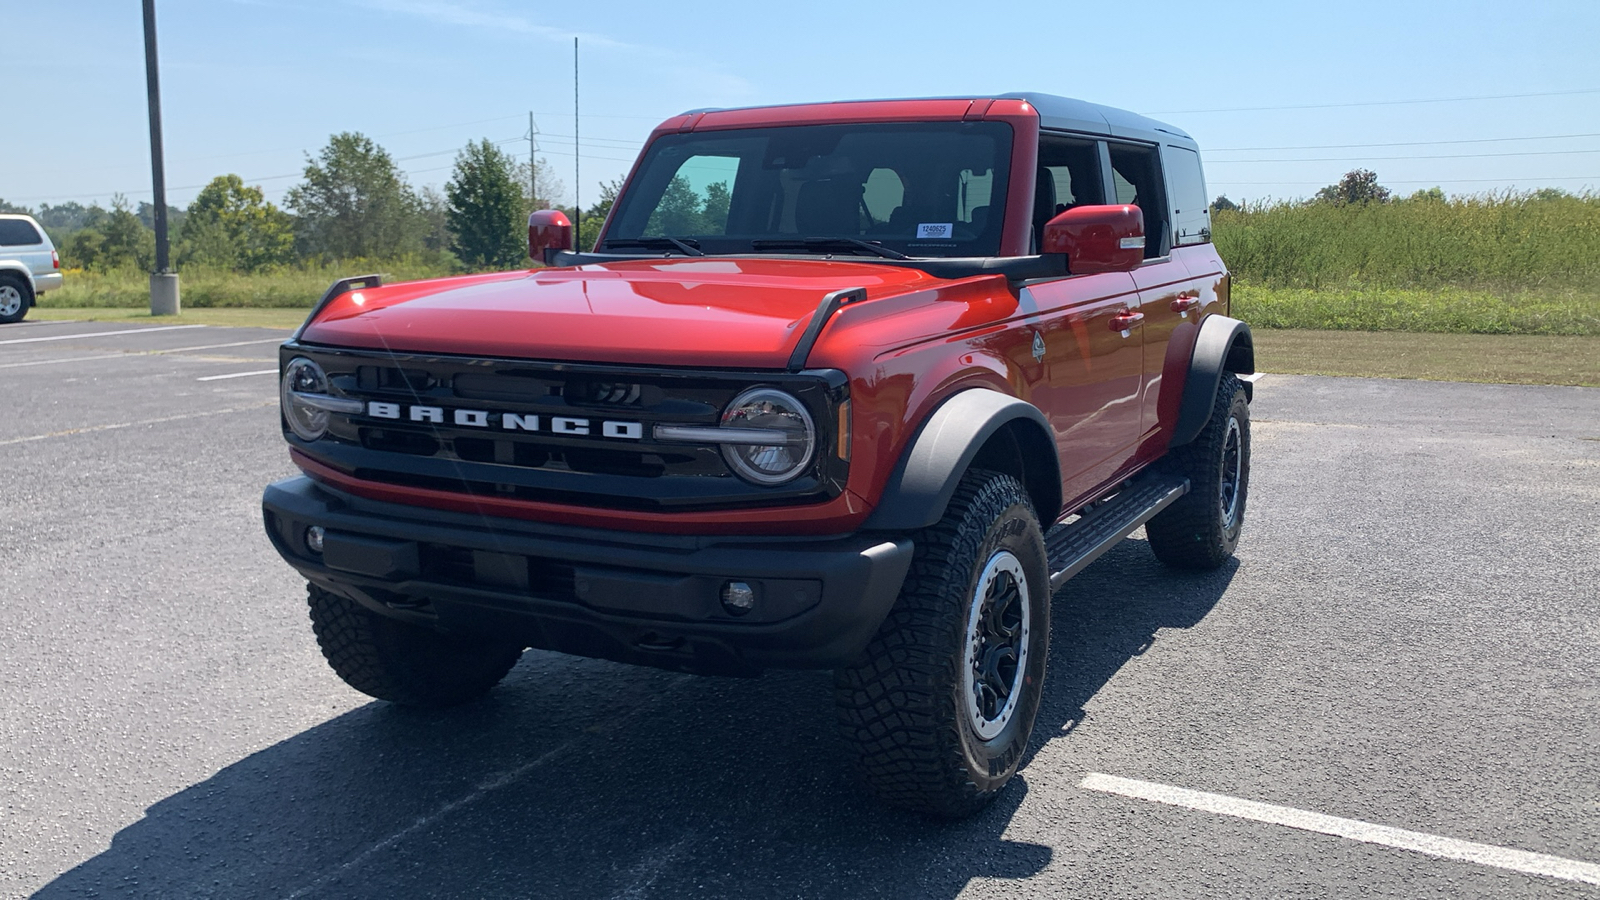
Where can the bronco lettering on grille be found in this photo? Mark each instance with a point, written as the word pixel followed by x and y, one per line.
pixel 483 418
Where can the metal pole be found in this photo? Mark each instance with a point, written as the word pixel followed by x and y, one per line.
pixel 163 282
pixel 577 178
pixel 533 172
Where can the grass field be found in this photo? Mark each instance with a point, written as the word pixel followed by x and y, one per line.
pixel 1493 358
pixel 210 289
pixel 1553 311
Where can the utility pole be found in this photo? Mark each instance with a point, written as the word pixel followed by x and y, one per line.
pixel 533 167
pixel 163 281
pixel 577 178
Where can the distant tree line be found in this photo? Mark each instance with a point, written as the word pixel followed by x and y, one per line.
pixel 1360 187
pixel 352 202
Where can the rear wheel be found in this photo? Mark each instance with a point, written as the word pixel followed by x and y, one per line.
pixel 15 298
pixel 1201 530
pixel 403 663
pixel 941 712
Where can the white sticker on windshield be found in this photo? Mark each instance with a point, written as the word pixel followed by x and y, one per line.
pixel 936 230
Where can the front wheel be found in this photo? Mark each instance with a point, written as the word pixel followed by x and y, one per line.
pixel 940 713
pixel 403 663
pixel 1201 530
pixel 15 298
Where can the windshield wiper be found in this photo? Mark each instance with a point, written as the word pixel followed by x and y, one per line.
pixel 827 243
pixel 688 247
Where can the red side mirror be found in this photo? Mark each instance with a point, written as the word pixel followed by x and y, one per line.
pixel 549 231
pixel 1097 238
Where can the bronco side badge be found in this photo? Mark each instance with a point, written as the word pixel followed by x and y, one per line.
pixel 1038 347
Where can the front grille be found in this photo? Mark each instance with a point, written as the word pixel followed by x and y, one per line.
pixel 555 431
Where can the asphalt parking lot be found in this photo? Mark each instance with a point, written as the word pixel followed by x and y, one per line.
pixel 1410 639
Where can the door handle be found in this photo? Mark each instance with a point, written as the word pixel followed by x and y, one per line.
pixel 1126 319
pixel 1184 304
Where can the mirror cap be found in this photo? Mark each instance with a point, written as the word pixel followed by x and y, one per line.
pixel 1097 238
pixel 549 232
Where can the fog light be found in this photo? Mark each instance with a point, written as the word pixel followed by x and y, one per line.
pixel 314 536
pixel 738 598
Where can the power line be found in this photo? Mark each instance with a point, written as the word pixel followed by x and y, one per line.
pixel 1169 112
pixel 1545 137
pixel 1383 158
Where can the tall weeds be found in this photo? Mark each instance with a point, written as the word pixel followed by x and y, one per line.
pixel 1500 241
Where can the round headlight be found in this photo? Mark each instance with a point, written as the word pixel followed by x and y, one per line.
pixel 794 437
pixel 302 376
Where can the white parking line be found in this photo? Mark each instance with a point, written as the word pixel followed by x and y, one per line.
pixel 1355 830
pixel 73 337
pixel 238 375
pixel 128 354
pixel 1252 377
pixel 177 418
pixel 276 340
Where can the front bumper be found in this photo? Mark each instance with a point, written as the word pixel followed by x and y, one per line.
pixel 650 599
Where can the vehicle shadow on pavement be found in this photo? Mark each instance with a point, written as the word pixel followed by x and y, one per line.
pixel 579 778
pixel 1109 614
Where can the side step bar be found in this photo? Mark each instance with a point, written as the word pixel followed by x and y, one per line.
pixel 1073 546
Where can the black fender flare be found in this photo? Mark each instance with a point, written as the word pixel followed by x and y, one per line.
pixel 944 448
pixel 1223 345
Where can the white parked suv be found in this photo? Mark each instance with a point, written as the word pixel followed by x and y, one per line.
pixel 29 265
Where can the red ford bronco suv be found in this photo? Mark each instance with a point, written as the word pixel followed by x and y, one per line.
pixel 852 386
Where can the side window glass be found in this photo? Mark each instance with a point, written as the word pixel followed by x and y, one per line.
pixel 1074 168
pixel 1068 176
pixel 17 233
pixel 1191 214
pixel 1136 171
pixel 696 200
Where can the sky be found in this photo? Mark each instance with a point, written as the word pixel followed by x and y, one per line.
pixel 1283 96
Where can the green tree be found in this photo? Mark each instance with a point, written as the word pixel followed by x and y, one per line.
pixel 354 202
pixel 1358 186
pixel 488 228
pixel 126 242
pixel 1222 202
pixel 595 216
pixel 1429 195
pixel 678 213
pixel 714 217
pixel 231 225
pixel 13 208
pixel 547 188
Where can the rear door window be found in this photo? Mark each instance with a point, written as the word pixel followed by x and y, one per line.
pixel 18 233
pixel 1191 215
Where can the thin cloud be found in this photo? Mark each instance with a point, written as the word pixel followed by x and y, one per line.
pixel 458 14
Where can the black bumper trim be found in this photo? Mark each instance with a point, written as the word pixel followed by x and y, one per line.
pixel 633 597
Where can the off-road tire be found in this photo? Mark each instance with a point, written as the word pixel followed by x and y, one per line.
pixel 1197 532
pixel 14 289
pixel 403 663
pixel 904 709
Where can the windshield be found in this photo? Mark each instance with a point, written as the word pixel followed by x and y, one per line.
pixel 918 189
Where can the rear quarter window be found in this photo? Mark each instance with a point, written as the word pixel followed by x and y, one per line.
pixel 18 233
pixel 1186 186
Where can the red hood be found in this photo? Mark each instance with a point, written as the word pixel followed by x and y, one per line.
pixel 736 313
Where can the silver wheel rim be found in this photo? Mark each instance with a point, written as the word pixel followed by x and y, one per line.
pixel 996 660
pixel 10 300
pixel 1232 469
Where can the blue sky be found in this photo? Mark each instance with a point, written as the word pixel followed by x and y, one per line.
pixel 250 86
